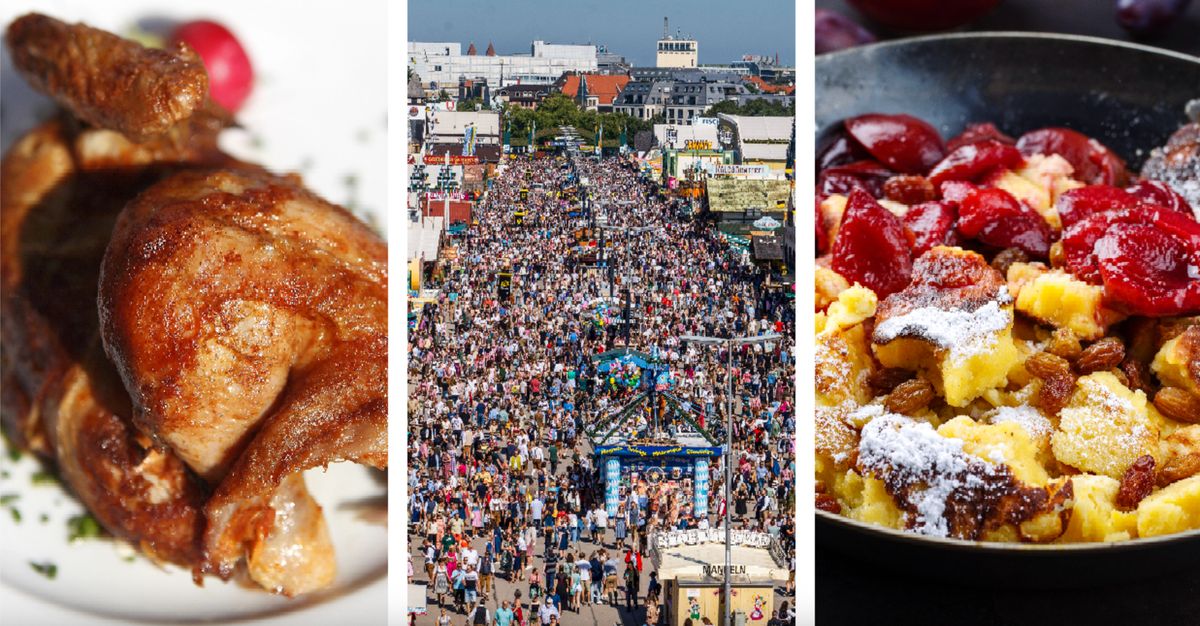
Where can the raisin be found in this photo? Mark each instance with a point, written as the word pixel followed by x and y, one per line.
pixel 1100 356
pixel 1055 392
pixel 1136 483
pixel 866 175
pixel 1063 343
pixel 1178 468
pixel 828 503
pixel 909 397
pixel 909 189
pixel 1138 376
pixel 885 379
pixel 1058 258
pixel 1007 257
pixel 1178 404
pixel 1045 365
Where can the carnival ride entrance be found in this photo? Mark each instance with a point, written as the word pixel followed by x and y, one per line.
pixel 655 436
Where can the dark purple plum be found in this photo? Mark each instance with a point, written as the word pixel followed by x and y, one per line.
pixel 1146 18
pixel 838 32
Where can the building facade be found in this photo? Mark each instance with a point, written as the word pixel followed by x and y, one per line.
pixel 643 99
pixel 691 99
pixel 441 65
pixel 674 52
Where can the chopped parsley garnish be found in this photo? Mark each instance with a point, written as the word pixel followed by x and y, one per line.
pixel 49 570
pixel 43 478
pixel 83 527
pixel 8 498
pixel 16 514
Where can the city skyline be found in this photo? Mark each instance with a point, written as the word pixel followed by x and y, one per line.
pixel 725 32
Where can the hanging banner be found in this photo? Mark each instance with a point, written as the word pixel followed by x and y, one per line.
pixel 653 451
pixel 700 489
pixel 455 196
pixel 455 159
pixel 612 485
pixel 469 141
pixel 742 170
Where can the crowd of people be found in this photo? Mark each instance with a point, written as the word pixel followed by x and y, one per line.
pixel 503 388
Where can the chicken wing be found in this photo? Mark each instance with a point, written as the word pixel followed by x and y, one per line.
pixel 107 81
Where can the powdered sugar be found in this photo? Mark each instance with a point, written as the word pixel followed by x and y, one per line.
pixel 923 466
pixel 1029 418
pixel 963 333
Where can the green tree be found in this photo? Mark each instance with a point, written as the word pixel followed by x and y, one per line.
pixel 758 107
pixel 470 104
pixel 558 110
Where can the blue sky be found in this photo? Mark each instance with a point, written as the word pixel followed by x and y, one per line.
pixel 726 29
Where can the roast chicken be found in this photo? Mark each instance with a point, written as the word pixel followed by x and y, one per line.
pixel 183 333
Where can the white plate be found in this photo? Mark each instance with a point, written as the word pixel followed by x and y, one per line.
pixel 319 109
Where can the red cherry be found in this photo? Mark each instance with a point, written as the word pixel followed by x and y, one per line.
pixel 931 224
pixel 1093 162
pixel 972 160
pixel 996 218
pixel 871 247
pixel 1158 193
pixel 901 142
pixel 978 132
pixel 1148 270
pixel 230 75
pixel 1076 204
pixel 867 175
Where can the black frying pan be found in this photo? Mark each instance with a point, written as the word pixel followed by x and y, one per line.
pixel 1131 98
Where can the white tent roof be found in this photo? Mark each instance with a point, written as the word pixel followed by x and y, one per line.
pixel 424 240
pixel 453 123
pixel 764 151
pixel 759 128
pixel 686 133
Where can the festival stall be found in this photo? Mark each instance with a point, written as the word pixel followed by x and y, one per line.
pixel 691 568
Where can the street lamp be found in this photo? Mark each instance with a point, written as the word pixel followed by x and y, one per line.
pixel 728 343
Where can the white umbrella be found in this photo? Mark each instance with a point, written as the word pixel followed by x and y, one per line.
pixel 767 223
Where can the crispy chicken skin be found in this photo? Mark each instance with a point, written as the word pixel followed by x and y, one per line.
pixel 182 334
pixel 248 320
pixel 107 81
pixel 60 193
